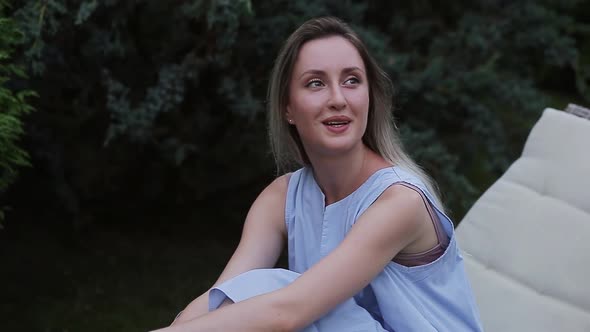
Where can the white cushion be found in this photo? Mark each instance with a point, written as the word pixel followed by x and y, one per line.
pixel 526 241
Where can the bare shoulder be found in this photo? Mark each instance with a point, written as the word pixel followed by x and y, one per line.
pixel 277 189
pixel 406 207
pixel 270 204
pixel 398 212
pixel 406 200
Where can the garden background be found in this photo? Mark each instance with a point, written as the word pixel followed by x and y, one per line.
pixel 133 136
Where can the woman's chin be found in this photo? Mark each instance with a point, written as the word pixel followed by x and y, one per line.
pixel 337 148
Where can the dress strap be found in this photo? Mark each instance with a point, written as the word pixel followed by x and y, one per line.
pixel 414 259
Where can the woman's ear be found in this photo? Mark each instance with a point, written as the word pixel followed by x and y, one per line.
pixel 288 115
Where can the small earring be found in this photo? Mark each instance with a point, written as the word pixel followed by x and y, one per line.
pixel 290 121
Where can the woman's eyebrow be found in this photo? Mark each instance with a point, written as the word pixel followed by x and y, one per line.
pixel 321 72
pixel 313 71
pixel 350 69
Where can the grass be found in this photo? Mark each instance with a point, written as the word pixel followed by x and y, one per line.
pixel 107 281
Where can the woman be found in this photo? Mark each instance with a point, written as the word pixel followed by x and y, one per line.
pixel 370 248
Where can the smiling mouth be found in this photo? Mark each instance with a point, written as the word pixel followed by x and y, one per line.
pixel 336 124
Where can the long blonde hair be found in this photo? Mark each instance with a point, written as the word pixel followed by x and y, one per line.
pixel 381 134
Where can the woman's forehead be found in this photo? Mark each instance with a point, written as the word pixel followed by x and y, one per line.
pixel 327 54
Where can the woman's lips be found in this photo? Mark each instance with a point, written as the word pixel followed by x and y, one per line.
pixel 336 127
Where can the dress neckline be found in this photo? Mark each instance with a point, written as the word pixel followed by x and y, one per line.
pixel 338 202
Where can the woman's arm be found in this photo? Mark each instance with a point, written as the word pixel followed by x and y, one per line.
pixel 263 238
pixel 395 220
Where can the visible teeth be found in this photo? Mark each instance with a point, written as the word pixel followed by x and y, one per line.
pixel 331 123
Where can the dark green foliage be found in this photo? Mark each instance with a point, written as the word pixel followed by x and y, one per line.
pixel 13 107
pixel 151 118
pixel 149 104
pixel 474 78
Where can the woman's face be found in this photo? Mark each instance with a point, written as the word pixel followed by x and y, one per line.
pixel 329 96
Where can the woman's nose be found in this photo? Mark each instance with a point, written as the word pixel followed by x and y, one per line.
pixel 337 100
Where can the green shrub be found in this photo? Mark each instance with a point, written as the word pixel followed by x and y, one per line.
pixel 13 107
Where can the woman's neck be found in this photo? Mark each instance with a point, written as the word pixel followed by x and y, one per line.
pixel 339 176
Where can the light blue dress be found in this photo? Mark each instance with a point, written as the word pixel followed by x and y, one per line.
pixel 432 297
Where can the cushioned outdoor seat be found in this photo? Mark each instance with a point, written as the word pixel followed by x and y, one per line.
pixel 526 241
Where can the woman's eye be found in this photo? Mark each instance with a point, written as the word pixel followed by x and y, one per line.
pixel 314 84
pixel 352 80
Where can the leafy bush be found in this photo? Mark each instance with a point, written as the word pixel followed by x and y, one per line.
pixel 13 107
pixel 152 106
